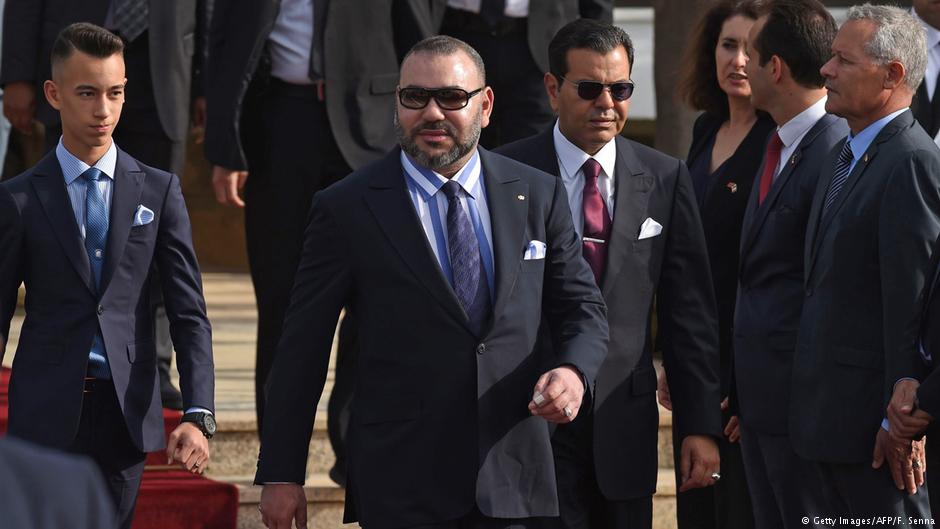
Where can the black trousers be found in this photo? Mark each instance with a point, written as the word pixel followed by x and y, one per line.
pixel 291 155
pixel 727 504
pixel 476 520
pixel 521 106
pixel 933 466
pixel 103 436
pixel 582 504
pixel 784 487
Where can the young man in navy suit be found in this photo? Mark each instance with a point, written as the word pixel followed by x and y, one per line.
pixel 84 229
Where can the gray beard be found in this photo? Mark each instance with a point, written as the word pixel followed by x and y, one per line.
pixel 458 151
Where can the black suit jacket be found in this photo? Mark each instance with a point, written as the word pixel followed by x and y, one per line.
pixel 928 394
pixel 926 112
pixel 770 292
pixel 434 402
pixel 41 246
pixel 363 44
pixel 47 489
pixel 673 267
pixel 176 31
pixel 722 215
pixel 867 263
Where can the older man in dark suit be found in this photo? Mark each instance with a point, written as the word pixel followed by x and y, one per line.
pixel 450 255
pixel 640 230
pixel 869 247
pixel 789 44
pixel 83 230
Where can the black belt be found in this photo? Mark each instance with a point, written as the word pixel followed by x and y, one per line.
pixel 458 20
pixel 95 385
pixel 283 88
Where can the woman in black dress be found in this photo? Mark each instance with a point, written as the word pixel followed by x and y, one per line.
pixel 728 142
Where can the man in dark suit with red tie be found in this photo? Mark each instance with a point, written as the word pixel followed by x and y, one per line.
pixel 635 211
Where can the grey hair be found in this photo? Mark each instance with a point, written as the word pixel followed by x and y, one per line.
pixel 898 37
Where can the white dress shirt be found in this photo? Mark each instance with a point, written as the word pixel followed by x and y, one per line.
pixel 514 8
pixel 793 131
pixel 570 160
pixel 291 40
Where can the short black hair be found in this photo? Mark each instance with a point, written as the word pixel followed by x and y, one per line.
pixel 585 33
pixel 87 38
pixel 444 45
pixel 800 32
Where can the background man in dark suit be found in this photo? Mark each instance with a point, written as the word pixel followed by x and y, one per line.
pixel 925 106
pixel 163 56
pixel 450 256
pixel 47 489
pixel 869 243
pixel 789 44
pixel 650 242
pixel 512 37
pixel 299 92
pixel 83 229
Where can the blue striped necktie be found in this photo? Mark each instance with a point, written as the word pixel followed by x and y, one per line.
pixel 96 240
pixel 470 284
pixel 840 176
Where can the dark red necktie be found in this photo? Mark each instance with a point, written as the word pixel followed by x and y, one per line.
pixel 771 159
pixel 596 220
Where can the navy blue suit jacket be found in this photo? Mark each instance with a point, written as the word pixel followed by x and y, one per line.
pixel 41 246
pixel 770 288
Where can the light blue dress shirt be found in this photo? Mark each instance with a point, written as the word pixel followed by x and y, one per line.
pixel 861 141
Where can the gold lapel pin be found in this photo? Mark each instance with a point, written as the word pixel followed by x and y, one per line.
pixel 865 158
pixel 732 187
pixel 520 197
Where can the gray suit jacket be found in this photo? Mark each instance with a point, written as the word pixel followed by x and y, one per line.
pixel 176 29
pixel 867 262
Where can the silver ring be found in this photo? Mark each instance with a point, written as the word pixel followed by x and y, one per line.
pixel 568 411
pixel 716 476
pixel 195 465
pixel 915 464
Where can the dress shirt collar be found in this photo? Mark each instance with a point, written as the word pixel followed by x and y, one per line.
pixel 932 33
pixel 863 139
pixel 571 157
pixel 796 128
pixel 72 167
pixel 430 182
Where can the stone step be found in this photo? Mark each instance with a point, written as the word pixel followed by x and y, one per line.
pixel 325 503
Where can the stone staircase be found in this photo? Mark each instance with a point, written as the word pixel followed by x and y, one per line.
pixel 235 447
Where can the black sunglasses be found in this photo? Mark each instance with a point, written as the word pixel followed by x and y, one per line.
pixel 446 98
pixel 591 90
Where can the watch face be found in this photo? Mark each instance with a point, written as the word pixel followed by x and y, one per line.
pixel 209 423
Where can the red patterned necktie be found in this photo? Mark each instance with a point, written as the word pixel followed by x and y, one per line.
pixel 596 220
pixel 771 159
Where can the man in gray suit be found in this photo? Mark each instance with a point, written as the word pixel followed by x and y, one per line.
pixel 163 56
pixel 869 244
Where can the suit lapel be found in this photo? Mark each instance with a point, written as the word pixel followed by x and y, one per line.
pixel 128 184
pixel 49 185
pixel 508 215
pixel 388 200
pixel 631 200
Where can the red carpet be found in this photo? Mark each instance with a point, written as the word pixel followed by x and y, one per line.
pixel 169 498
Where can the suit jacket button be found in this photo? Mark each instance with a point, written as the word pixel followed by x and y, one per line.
pixel 100 310
pixel 481 348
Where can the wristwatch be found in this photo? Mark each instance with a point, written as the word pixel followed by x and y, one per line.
pixel 203 420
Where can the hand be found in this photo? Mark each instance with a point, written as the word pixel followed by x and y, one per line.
pixel 227 183
pixel 187 445
pixel 900 456
pixel 556 391
pixel 281 503
pixel 662 392
pixel 903 422
pixel 733 429
pixel 199 120
pixel 19 105
pixel 698 460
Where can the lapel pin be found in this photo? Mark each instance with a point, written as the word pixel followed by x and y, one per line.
pixel 520 197
pixel 793 159
pixel 732 187
pixel 865 158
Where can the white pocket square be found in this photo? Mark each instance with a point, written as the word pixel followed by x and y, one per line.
pixel 650 228
pixel 535 250
pixel 143 215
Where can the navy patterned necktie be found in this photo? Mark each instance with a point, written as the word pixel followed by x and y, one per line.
pixel 130 18
pixel 96 239
pixel 470 283
pixel 840 175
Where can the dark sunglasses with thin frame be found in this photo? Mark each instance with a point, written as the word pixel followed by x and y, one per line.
pixel 591 90
pixel 416 98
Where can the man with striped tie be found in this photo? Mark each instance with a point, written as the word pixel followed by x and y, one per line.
pixel 83 230
pixel 868 253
